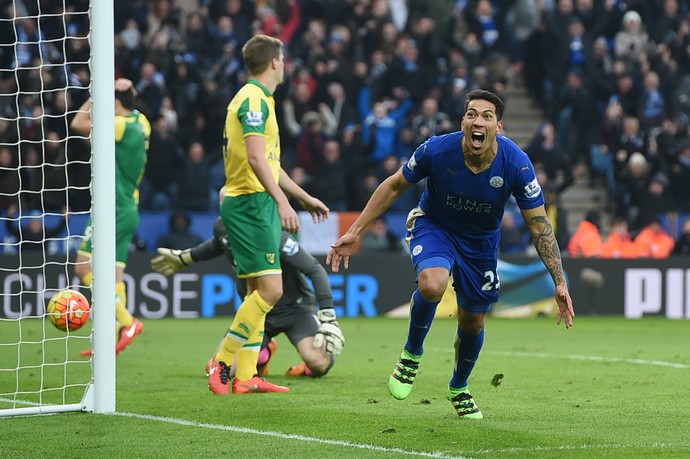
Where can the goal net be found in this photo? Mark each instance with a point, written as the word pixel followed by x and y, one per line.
pixel 46 199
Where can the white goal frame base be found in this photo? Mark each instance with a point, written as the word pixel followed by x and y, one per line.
pixel 87 404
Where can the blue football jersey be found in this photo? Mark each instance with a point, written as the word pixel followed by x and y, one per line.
pixel 468 204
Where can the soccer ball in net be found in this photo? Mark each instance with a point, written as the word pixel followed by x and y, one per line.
pixel 68 309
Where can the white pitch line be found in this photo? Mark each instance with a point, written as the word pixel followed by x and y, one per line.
pixel 595 358
pixel 185 422
pixel 576 447
pixel 591 358
pixel 246 430
pixel 18 402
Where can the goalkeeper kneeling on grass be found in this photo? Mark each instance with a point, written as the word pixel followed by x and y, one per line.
pixel 304 314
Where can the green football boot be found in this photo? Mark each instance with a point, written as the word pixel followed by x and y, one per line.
pixel 464 403
pixel 400 381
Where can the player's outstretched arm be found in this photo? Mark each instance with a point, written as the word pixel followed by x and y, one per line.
pixel 294 255
pixel 170 261
pixel 544 241
pixel 383 197
pixel 328 336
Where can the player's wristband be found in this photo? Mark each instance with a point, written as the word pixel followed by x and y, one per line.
pixel 326 315
pixel 186 257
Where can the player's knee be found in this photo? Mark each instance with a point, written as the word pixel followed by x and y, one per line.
pixel 473 329
pixel 272 295
pixel 471 323
pixel 319 365
pixel 319 370
pixel 432 288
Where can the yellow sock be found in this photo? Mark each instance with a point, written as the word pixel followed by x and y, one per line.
pixel 248 355
pixel 124 318
pixel 251 316
pixel 86 281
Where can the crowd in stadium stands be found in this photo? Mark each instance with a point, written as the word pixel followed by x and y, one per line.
pixel 367 81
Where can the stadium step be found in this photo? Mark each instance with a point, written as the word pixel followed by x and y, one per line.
pixel 522 118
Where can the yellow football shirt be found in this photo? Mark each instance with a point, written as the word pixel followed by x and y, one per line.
pixel 250 112
pixel 132 134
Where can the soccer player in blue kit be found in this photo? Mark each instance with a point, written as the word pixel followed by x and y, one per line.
pixel 455 230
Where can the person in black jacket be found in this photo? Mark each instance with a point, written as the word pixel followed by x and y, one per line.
pixel 180 235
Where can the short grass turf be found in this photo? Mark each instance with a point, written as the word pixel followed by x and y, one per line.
pixel 609 387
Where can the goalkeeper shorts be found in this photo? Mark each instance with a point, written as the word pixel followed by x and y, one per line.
pixel 296 321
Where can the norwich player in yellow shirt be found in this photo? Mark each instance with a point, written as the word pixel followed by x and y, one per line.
pixel 254 212
pixel 132 132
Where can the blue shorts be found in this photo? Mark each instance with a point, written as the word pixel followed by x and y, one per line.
pixel 475 279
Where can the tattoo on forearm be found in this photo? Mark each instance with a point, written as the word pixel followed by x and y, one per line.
pixel 545 242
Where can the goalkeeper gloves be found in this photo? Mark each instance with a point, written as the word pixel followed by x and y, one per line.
pixel 170 261
pixel 329 333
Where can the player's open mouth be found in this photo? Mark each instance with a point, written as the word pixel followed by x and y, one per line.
pixel 477 139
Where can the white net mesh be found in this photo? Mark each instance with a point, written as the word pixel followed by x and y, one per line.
pixel 45 176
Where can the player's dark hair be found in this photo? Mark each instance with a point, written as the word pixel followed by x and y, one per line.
pixel 259 51
pixel 489 97
pixel 126 98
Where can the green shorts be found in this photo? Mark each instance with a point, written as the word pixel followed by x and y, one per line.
pixel 254 229
pixel 126 226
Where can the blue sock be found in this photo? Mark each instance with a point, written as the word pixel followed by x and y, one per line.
pixel 467 349
pixel 421 316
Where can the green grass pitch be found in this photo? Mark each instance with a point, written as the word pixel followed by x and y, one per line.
pixel 609 387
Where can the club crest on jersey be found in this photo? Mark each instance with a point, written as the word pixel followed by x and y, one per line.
pixel 532 189
pixel 496 181
pixel 255 118
pixel 417 250
pixel 271 258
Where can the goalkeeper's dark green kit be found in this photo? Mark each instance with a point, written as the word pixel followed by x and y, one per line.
pixel 294 314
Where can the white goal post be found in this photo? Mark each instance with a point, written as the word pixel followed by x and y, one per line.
pixel 41 371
